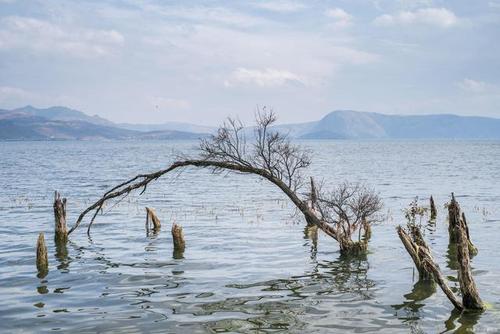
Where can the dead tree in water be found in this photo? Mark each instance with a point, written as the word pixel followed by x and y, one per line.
pixel 178 240
pixel 155 221
pixel 420 252
pixel 456 218
pixel 42 262
pixel 272 156
pixel 433 208
pixel 61 231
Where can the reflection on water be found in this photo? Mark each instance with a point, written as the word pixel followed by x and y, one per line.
pixel 248 267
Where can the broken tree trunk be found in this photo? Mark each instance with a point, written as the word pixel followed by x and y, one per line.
pixel 178 240
pixel 456 219
pixel 412 242
pixel 470 295
pixel 42 261
pixel 313 199
pixel 155 221
pixel 427 267
pixel 433 208
pixel 421 255
pixel 61 231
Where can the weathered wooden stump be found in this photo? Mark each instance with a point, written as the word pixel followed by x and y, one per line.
pixel 178 240
pixel 470 295
pixel 433 208
pixel 412 241
pixel 428 268
pixel 456 220
pixel 42 261
pixel 155 221
pixel 61 231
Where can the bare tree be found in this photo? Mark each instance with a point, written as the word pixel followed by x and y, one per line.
pixel 350 208
pixel 272 156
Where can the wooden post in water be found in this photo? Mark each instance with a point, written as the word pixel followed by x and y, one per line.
pixel 178 239
pixel 42 261
pixel 470 295
pixel 456 220
pixel 433 208
pixel 151 215
pixel 61 231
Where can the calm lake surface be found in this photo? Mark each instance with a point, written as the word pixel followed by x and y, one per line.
pixel 247 265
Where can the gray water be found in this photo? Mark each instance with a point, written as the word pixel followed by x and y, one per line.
pixel 247 265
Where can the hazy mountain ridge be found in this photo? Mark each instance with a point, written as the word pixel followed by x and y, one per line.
pixel 60 123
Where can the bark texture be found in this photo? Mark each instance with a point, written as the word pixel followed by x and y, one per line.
pixel 457 220
pixel 470 295
pixel 152 220
pixel 61 231
pixel 42 261
pixel 178 240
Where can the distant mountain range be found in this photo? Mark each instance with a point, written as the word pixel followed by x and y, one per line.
pixel 61 123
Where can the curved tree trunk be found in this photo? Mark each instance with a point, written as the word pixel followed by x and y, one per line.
pixel 142 180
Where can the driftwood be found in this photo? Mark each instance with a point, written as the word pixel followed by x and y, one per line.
pixel 42 261
pixel 339 214
pixel 155 221
pixel 178 240
pixel 61 231
pixel 433 208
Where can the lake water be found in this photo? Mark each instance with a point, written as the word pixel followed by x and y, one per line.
pixel 247 265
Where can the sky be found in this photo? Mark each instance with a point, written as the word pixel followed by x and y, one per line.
pixel 201 61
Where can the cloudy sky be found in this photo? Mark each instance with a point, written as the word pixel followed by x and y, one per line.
pixel 200 61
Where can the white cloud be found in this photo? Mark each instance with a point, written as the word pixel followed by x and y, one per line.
pixel 8 93
pixel 268 77
pixel 169 104
pixel 280 6
pixel 341 17
pixel 43 36
pixel 471 85
pixel 440 17
pixel 205 14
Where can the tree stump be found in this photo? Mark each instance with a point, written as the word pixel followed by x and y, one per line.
pixel 61 231
pixel 178 240
pixel 433 208
pixel 42 261
pixel 456 220
pixel 155 221
pixel 470 295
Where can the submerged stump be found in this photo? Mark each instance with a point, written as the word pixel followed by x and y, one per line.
pixel 470 295
pixel 433 208
pixel 42 261
pixel 155 221
pixel 457 220
pixel 61 231
pixel 178 240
